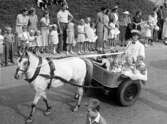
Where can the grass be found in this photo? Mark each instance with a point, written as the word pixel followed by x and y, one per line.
pixel 79 8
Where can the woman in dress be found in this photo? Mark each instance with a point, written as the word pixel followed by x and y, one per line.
pixel 21 21
pixel 106 27
pixel 33 19
pixel 45 22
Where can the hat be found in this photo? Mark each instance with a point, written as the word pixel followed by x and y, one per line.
pixel 126 12
pixel 136 32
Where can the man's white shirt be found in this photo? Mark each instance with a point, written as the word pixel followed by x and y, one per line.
pixel 135 50
pixel 62 16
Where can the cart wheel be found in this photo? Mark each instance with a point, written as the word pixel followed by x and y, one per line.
pixel 128 92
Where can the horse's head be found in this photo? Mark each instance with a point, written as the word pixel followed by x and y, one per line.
pixel 22 65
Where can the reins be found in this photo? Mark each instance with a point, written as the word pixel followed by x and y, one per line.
pixel 69 82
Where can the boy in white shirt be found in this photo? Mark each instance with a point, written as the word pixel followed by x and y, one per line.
pixel 93 115
pixel 134 47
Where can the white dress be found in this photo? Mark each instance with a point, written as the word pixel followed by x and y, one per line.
pixel 70 34
pixel 112 31
pixel 53 37
pixel 32 41
pixel 147 31
pixel 20 22
pixel 81 33
pixel 39 40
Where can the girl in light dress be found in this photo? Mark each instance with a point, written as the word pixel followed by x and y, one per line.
pixel 113 33
pixel 147 33
pixel 93 37
pixel 70 38
pixel 32 41
pixel 81 36
pixel 54 38
pixel 39 41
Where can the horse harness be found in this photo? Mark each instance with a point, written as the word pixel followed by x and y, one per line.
pixel 52 76
pixel 37 71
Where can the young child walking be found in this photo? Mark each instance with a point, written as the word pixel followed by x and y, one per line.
pixel 70 38
pixel 81 36
pixel 54 38
pixel 93 115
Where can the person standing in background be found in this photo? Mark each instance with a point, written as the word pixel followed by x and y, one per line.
pixel 8 41
pixel 115 18
pixel 106 27
pixel 44 23
pixel 21 21
pixel 63 18
pixel 126 20
pixel 137 19
pixel 160 22
pixel 33 20
pixel 164 28
pixel 100 29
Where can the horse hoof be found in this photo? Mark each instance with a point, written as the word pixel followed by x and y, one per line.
pixel 75 109
pixel 76 96
pixel 29 120
pixel 47 112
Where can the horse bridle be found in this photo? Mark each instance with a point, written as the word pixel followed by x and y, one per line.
pixel 24 71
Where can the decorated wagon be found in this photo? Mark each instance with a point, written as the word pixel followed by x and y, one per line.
pixel 127 84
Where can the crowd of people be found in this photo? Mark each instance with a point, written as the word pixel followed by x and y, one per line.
pixel 83 36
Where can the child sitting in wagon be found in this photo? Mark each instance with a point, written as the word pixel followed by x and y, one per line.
pixel 140 66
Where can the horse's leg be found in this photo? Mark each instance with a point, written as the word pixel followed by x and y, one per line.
pixel 48 107
pixel 80 92
pixel 33 107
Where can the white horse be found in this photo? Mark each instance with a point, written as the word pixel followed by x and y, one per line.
pixel 31 66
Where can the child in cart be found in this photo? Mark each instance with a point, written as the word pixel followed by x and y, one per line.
pixel 140 66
